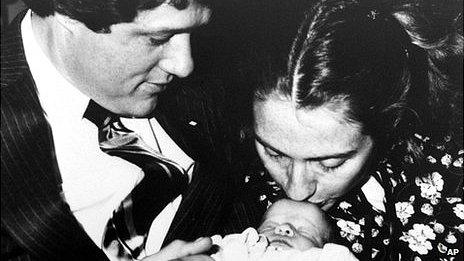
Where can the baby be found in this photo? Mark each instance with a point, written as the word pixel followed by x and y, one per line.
pixel 290 224
pixel 290 230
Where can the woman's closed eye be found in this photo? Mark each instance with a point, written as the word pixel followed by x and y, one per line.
pixel 274 155
pixel 329 165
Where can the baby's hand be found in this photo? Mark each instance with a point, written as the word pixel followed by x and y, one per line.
pixel 258 248
pixel 248 245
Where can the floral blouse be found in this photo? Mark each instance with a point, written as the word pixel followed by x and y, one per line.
pixel 424 217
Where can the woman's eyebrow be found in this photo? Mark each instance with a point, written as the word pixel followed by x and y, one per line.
pixel 267 145
pixel 340 155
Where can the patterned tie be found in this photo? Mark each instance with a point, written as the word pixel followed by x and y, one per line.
pixel 163 181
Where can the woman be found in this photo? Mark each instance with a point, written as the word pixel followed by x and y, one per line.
pixel 366 122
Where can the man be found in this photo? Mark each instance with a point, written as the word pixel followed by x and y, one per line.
pixel 59 189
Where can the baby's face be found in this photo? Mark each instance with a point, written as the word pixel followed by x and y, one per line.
pixel 299 225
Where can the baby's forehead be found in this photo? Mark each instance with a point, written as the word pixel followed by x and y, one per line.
pixel 293 209
pixel 294 206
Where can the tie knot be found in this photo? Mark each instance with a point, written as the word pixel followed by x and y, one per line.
pixel 98 115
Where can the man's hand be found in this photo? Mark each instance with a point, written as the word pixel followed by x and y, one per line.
pixel 181 250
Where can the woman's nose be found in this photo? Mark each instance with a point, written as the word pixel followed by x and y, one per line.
pixel 284 230
pixel 301 183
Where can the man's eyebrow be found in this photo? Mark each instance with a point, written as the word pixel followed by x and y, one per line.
pixel 341 155
pixel 170 31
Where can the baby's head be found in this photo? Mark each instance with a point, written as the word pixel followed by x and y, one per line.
pixel 289 224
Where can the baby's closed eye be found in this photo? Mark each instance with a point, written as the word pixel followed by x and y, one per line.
pixel 267 226
pixel 265 229
pixel 304 232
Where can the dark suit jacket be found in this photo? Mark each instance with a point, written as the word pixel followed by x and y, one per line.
pixel 36 221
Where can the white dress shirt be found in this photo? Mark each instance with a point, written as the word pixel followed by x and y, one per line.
pixel 94 183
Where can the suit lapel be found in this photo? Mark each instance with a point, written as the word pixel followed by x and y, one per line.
pixel 201 210
pixel 34 212
pixel 176 129
pixel 184 115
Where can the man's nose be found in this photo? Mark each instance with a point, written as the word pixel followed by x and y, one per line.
pixel 284 230
pixel 301 183
pixel 177 56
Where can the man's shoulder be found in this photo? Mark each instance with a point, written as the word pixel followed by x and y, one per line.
pixel 13 60
pixel 18 92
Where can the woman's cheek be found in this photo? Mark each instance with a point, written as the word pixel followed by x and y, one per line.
pixel 343 185
pixel 277 172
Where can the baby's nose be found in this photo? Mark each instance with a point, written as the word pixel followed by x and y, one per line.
pixel 284 230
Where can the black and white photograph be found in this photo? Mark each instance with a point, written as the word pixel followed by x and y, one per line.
pixel 232 130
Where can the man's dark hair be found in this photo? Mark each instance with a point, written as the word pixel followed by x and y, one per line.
pixel 98 15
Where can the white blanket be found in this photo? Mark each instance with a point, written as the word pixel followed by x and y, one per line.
pixel 250 246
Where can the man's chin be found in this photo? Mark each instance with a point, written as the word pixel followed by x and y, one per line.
pixel 141 110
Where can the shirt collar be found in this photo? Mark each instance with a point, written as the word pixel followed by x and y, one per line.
pixel 57 95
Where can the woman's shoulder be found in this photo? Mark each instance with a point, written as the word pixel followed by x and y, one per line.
pixel 440 156
pixel 426 213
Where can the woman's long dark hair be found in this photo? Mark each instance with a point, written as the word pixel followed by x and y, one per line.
pixel 396 65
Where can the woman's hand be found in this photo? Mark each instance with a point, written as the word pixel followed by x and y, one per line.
pixel 181 250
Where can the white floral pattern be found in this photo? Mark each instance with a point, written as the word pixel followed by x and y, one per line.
pixel 446 160
pixel 427 209
pixel 438 228
pixel 460 228
pixel 357 248
pixel 431 187
pixel 379 220
pixel 451 238
pixel 344 205
pixel 418 238
pixel 404 210
pixel 458 163
pixel 459 210
pixel 349 229
pixel 431 159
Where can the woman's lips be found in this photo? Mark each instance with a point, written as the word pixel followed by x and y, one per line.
pixel 319 204
pixel 325 204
